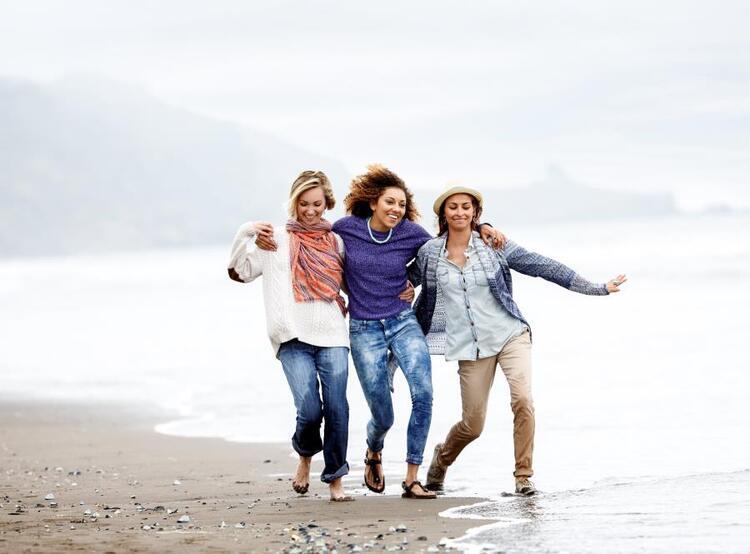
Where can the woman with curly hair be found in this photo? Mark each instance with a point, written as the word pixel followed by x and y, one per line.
pixel 381 238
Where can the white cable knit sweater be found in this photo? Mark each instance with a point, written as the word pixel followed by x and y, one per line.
pixel 319 323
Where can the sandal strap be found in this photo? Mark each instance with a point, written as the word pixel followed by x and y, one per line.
pixel 372 463
pixel 408 488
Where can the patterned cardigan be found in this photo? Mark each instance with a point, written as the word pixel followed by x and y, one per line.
pixel 430 308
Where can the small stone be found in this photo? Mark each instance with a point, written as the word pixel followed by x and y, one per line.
pixel 171 511
pixel 240 525
pixel 422 538
pixel 401 528
pixel 146 527
pixel 53 504
pixel 87 513
pixel 222 525
pixel 177 482
pixel 184 519
pixel 50 496
pixel 443 541
pixel 266 461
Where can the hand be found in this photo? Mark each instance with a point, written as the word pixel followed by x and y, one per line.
pixel 613 285
pixel 492 237
pixel 264 239
pixel 408 293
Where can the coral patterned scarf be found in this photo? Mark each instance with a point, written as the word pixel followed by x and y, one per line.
pixel 316 265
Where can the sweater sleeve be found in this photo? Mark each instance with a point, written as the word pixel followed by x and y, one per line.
pixel 416 268
pixel 536 265
pixel 246 261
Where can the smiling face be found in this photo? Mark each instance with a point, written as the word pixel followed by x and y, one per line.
pixel 389 209
pixel 459 211
pixel 311 205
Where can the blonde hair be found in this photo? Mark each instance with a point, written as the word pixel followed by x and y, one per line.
pixel 309 180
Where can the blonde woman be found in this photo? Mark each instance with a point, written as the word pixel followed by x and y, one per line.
pixel 305 317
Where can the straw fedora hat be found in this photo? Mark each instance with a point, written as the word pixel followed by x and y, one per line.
pixel 455 190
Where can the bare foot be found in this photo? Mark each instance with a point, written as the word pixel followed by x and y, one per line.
pixel 337 491
pixel 301 481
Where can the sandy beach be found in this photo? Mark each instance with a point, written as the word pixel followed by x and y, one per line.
pixel 98 478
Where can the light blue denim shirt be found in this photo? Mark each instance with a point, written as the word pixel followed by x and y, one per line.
pixel 477 324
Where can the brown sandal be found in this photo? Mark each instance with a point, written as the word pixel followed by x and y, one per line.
pixel 409 493
pixel 377 479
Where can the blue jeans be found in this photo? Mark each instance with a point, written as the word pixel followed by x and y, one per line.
pixel 309 368
pixel 371 340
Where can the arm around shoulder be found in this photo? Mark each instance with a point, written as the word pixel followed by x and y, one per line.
pixel 245 261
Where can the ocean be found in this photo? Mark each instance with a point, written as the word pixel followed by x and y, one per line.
pixel 641 397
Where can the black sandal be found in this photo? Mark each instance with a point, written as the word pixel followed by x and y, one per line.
pixel 409 493
pixel 372 464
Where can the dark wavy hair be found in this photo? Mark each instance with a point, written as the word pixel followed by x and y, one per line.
pixel 443 222
pixel 369 186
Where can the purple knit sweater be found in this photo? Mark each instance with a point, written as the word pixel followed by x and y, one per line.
pixel 375 274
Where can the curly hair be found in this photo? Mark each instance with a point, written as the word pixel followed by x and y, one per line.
pixel 369 186
pixel 308 180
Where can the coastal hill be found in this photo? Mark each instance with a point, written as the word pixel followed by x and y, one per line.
pixel 558 198
pixel 88 165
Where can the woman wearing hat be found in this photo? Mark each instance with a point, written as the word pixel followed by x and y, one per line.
pixel 467 312
pixel 306 323
pixel 381 237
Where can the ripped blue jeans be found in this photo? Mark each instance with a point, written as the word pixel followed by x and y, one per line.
pixel 370 341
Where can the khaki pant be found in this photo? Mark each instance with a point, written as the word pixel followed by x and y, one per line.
pixel 476 382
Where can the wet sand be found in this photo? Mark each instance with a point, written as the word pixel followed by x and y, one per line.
pixel 98 478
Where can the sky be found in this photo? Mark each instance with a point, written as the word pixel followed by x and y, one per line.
pixel 641 96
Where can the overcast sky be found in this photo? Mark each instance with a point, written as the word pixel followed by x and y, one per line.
pixel 638 95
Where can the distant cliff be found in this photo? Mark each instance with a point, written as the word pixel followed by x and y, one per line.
pixel 89 165
pixel 93 165
pixel 558 198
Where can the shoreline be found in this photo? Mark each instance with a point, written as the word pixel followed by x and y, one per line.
pixel 85 476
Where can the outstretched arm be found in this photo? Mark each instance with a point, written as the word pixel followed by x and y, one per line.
pixel 536 265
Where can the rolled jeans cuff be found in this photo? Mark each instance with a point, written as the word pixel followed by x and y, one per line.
pixel 331 477
pixel 307 453
pixel 414 459
pixel 375 447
